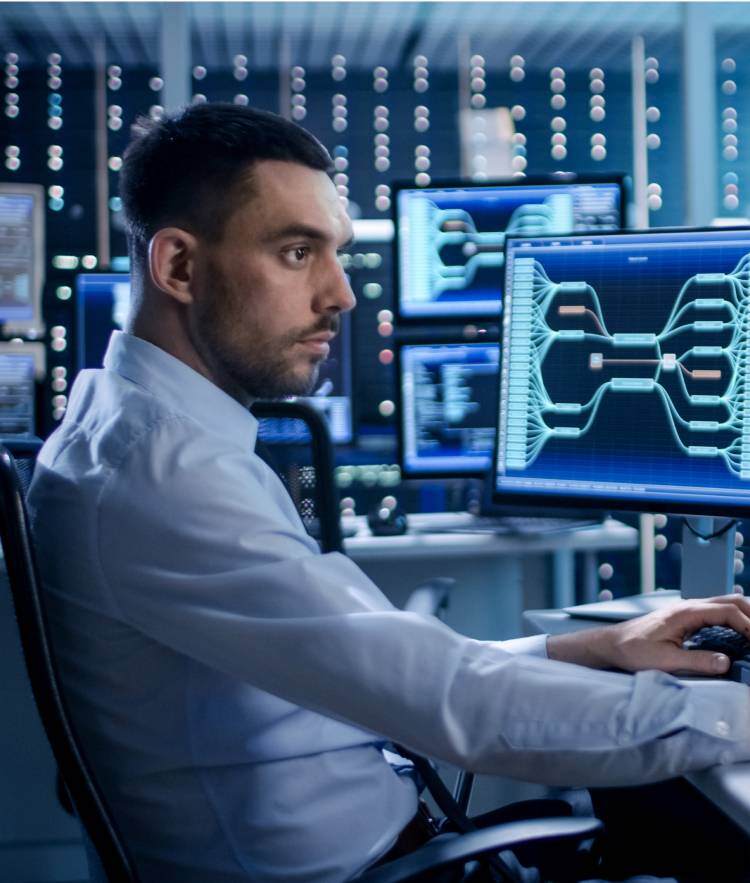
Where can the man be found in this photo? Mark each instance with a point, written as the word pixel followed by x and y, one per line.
pixel 233 687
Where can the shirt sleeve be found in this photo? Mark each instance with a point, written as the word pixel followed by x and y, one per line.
pixel 197 552
pixel 533 645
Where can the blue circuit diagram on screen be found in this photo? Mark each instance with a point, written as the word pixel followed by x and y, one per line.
pixel 432 231
pixel 450 242
pixel 695 364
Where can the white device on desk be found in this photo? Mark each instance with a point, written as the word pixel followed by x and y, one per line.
pixel 620 609
pixel 624 383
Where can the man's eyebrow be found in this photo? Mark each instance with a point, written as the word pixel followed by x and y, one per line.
pixel 303 231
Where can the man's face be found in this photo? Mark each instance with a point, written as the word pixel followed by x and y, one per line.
pixel 268 296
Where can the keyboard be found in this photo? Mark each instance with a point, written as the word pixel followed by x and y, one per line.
pixel 720 639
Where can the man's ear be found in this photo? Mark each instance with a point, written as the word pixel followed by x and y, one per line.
pixel 171 262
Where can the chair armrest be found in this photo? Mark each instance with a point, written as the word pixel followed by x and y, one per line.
pixel 452 849
pixel 431 597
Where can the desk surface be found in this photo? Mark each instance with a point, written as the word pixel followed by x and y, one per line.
pixel 727 787
pixel 443 534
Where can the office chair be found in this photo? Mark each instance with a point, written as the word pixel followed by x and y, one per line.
pixel 16 471
pixel 294 440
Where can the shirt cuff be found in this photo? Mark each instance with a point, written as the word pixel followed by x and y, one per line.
pixel 534 645
pixel 717 712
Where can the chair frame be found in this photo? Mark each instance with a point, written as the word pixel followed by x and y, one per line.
pixel 327 498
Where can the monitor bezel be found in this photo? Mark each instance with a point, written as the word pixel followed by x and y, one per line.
pixel 33 327
pixel 550 502
pixel 620 179
pixel 436 339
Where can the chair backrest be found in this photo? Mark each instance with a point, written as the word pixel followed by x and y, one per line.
pixel 16 471
pixel 294 440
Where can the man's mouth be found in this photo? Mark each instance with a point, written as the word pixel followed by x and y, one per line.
pixel 319 343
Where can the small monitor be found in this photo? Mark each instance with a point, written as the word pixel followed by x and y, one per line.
pixel 22 257
pixel 18 372
pixel 624 377
pixel 449 237
pixel 103 302
pixel 448 394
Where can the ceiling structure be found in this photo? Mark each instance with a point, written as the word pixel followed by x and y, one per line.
pixel 577 34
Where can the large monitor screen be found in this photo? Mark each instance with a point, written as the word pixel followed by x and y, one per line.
pixel 624 372
pixel 448 394
pixel 449 238
pixel 21 254
pixel 103 301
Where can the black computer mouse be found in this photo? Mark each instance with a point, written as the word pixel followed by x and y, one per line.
pixel 387 521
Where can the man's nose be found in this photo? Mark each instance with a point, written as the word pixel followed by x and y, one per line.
pixel 339 296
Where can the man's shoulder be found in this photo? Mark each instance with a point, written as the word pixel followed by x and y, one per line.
pixel 108 416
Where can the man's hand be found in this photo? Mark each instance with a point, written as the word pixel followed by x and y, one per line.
pixel 655 640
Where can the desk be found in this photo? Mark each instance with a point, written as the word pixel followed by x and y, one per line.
pixel 448 535
pixel 727 787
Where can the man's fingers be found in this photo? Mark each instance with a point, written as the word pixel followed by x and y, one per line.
pixel 693 618
pixel 698 662
pixel 737 599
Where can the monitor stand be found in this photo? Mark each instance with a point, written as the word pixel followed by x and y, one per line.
pixel 707 556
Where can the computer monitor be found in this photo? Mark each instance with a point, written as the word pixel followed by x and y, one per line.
pixel 103 301
pixel 20 366
pixel 447 403
pixel 22 257
pixel 623 374
pixel 449 237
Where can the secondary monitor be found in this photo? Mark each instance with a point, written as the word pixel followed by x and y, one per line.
pixel 624 375
pixel 22 256
pixel 19 369
pixel 448 395
pixel 103 301
pixel 449 237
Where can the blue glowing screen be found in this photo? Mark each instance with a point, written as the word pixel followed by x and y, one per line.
pixel 624 368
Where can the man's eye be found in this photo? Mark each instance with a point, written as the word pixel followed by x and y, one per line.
pixel 298 255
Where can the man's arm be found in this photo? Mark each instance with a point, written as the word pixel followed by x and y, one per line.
pixel 655 641
pixel 208 566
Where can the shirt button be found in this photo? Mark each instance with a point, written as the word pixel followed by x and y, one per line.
pixel 722 728
pixel 725 757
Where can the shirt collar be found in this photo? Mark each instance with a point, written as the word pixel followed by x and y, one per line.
pixel 175 383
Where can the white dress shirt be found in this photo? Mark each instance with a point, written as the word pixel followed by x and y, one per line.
pixel 233 687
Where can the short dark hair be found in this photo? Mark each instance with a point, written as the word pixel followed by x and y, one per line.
pixel 183 168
